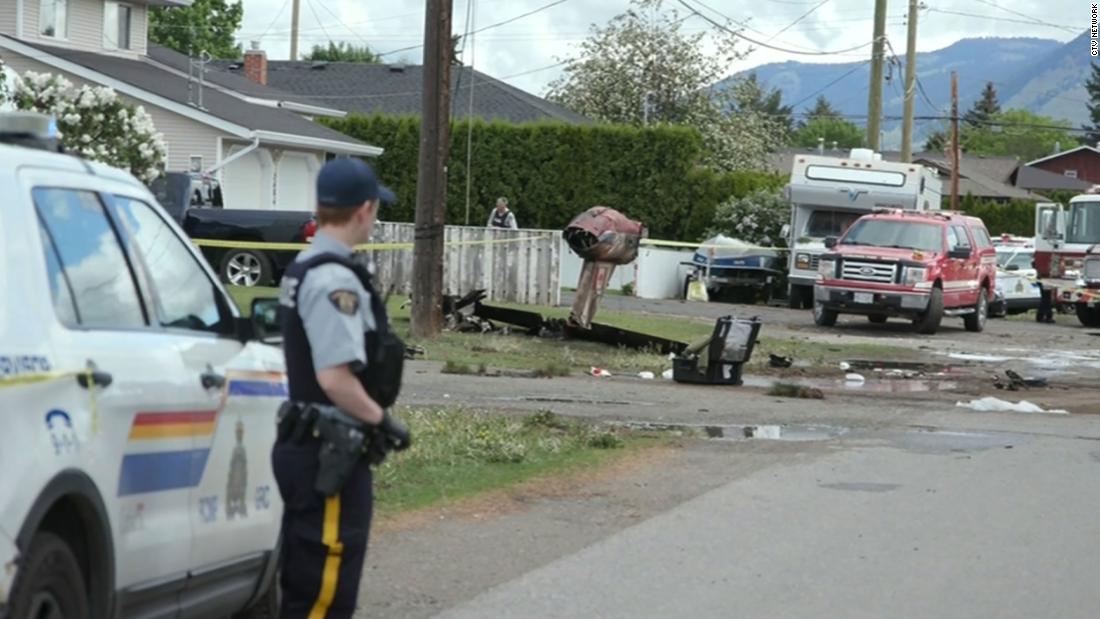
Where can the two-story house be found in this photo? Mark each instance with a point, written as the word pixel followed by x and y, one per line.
pixel 260 142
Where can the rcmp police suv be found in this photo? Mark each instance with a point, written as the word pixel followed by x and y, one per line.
pixel 138 406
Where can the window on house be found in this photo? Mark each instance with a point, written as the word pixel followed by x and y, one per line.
pixel 1070 173
pixel 196 163
pixel 52 18
pixel 116 25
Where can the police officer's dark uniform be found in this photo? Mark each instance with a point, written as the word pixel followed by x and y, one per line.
pixel 331 316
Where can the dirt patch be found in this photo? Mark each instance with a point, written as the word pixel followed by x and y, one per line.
pixel 496 503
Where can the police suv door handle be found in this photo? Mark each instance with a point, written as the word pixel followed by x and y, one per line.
pixel 95 377
pixel 211 379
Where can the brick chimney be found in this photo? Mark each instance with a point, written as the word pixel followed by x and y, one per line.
pixel 255 64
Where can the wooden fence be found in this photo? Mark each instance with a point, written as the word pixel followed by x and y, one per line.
pixel 518 266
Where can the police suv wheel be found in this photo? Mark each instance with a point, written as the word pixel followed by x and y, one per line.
pixel 245 267
pixel 49 584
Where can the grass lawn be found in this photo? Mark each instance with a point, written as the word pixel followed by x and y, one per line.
pixel 460 453
pixel 522 352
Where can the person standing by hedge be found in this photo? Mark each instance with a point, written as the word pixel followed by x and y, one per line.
pixel 501 217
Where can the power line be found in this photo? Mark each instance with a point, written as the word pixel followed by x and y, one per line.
pixel 269 26
pixel 1004 19
pixel 826 86
pixel 766 45
pixel 309 3
pixel 490 26
pixel 800 18
pixel 341 22
pixel 547 67
pixel 1033 19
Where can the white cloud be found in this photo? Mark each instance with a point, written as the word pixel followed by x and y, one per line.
pixel 545 37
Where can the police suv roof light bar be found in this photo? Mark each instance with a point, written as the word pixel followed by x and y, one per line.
pixel 30 130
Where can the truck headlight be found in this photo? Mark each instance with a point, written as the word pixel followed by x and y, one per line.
pixel 914 275
pixel 802 261
pixel 826 268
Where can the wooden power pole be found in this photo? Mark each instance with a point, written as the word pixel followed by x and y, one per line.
pixel 295 10
pixel 955 151
pixel 874 101
pixel 431 185
pixel 910 84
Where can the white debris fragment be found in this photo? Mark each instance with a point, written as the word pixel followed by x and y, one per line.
pixel 667 374
pixel 854 378
pixel 845 366
pixel 990 405
pixel 966 356
pixel 646 375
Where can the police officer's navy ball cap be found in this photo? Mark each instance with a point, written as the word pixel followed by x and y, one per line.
pixel 348 183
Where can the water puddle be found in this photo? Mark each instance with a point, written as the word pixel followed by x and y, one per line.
pixel 873 384
pixel 777 432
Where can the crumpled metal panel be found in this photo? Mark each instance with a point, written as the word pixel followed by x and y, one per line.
pixel 604 235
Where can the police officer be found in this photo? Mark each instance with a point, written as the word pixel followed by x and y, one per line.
pixel 502 217
pixel 332 323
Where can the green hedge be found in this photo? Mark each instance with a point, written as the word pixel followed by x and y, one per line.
pixel 1016 217
pixel 552 172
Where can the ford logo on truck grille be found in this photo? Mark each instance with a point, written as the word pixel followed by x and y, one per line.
pixel 866 271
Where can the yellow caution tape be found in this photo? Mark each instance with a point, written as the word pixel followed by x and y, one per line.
pixel 660 243
pixel 363 247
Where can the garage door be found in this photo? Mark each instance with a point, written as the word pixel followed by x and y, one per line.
pixel 297 172
pixel 246 181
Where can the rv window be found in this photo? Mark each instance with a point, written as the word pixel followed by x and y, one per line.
pixel 829 223
pixel 855 175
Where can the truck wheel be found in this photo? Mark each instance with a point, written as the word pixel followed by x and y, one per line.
pixel 49 583
pixel 929 322
pixel 976 322
pixel 824 317
pixel 794 300
pixel 246 267
pixel 801 297
pixel 877 319
pixel 1089 316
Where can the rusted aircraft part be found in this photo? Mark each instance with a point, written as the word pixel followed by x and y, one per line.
pixel 590 289
pixel 536 324
pixel 605 235
pixel 453 303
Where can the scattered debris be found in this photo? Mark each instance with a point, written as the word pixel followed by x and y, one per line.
pixel 718 359
pixel 777 361
pixel 845 366
pixel 854 378
pixel 667 374
pixel 1017 382
pixel 787 390
pixel 990 404
pixel 646 375
pixel 599 372
pixel 412 352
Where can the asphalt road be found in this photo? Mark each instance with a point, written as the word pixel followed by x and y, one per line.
pixel 891 523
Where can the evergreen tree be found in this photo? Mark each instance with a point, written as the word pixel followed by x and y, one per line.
pixel 822 109
pixel 1093 86
pixel 752 97
pixel 343 52
pixel 983 108
pixel 937 141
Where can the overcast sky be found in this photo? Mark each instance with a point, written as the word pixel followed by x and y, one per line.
pixel 517 51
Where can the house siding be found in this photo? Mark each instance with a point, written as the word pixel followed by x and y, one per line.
pixel 184 137
pixel 85 25
pixel 1086 162
pixel 8 13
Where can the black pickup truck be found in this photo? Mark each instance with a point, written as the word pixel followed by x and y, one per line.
pixel 202 217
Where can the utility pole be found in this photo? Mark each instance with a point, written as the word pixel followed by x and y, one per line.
pixel 295 9
pixel 874 102
pixel 910 84
pixel 431 186
pixel 955 151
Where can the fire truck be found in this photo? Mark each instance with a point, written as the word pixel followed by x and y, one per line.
pixel 1067 254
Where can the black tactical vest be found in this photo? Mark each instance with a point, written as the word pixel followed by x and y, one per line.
pixel 500 221
pixel 385 352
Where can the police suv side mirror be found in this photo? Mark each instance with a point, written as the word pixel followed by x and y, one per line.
pixel 265 319
pixel 830 242
pixel 1012 267
pixel 959 253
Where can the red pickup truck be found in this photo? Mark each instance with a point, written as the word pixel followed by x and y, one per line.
pixel 920 265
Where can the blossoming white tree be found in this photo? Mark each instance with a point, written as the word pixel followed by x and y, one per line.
pixel 93 122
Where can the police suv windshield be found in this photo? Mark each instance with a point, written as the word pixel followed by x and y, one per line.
pixel 1018 259
pixel 899 234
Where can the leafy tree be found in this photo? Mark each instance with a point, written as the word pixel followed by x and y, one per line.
pixel 206 25
pixel 95 123
pixel 822 109
pixel 1016 132
pixel 641 68
pixel 1092 137
pixel 833 129
pixel 343 52
pixel 757 218
pixel 984 108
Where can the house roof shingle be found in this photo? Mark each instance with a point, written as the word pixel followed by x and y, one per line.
pixel 155 79
pixel 396 90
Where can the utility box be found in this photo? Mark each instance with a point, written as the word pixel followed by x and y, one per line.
pixel 718 360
